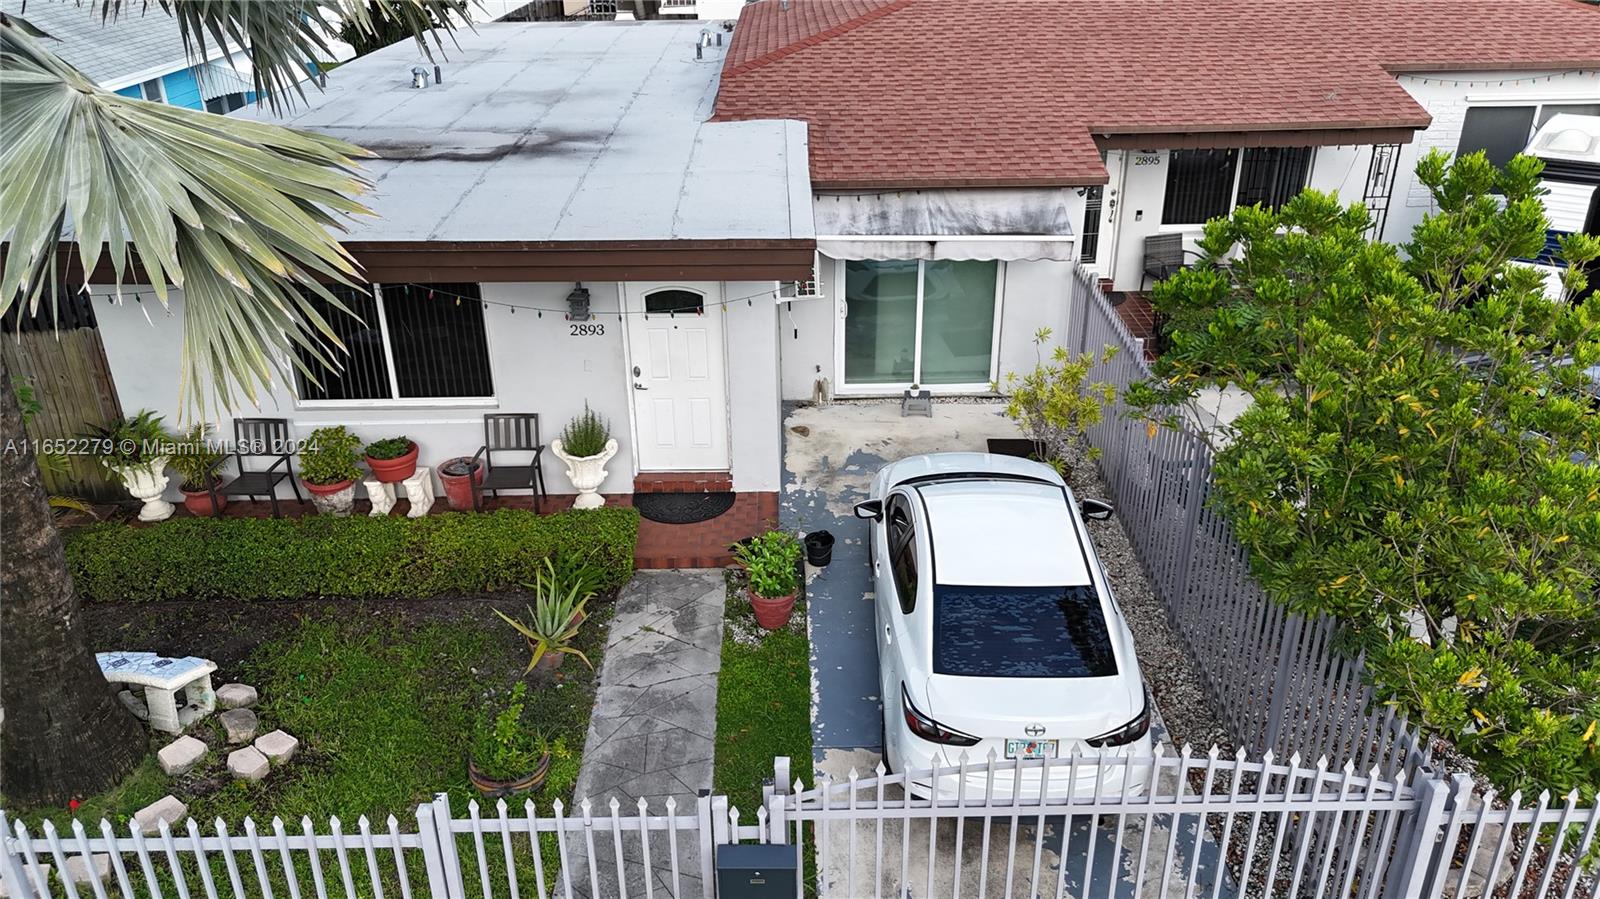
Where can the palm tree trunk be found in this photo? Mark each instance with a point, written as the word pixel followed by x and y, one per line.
pixel 63 732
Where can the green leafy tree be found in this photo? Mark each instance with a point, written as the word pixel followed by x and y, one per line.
pixel 1418 456
pixel 240 215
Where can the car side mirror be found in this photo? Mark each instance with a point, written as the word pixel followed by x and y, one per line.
pixel 1096 510
pixel 872 510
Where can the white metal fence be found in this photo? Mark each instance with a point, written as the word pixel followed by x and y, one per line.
pixel 1202 827
pixel 1275 677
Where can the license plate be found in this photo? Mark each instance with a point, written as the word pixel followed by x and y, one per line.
pixel 1030 749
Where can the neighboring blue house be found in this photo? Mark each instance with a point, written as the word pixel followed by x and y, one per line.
pixel 139 54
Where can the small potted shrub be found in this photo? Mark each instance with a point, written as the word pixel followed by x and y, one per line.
pixel 328 469
pixel 586 445
pixel 134 452
pixel 392 459
pixel 197 461
pixel 506 757
pixel 554 618
pixel 771 562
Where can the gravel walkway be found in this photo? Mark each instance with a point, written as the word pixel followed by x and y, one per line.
pixel 1172 678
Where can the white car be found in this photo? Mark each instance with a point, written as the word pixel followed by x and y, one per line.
pixel 997 629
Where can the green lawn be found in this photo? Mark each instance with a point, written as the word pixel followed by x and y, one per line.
pixel 384 704
pixel 763 703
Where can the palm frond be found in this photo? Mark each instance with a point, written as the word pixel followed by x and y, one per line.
pixel 241 215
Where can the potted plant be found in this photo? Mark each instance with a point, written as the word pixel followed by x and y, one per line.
pixel 134 452
pixel 553 619
pixel 458 476
pixel 392 459
pixel 197 461
pixel 771 562
pixel 329 471
pixel 586 445
pixel 506 757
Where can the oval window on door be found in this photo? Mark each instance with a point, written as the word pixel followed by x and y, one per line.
pixel 674 302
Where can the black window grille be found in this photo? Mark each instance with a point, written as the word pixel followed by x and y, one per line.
pixel 437 342
pixel 437 335
pixel 1199 186
pixel 1272 176
pixel 1090 240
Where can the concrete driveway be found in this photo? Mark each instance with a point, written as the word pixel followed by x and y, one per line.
pixel 830 456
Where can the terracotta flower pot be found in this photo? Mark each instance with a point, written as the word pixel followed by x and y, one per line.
pixel 458 487
pixel 494 789
pixel 332 499
pixel 198 502
pixel 773 614
pixel 393 471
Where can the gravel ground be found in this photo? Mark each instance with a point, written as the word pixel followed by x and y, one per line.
pixel 1173 680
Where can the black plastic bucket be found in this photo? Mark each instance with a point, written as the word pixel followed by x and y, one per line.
pixel 819 548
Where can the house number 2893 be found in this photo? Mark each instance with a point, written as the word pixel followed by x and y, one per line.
pixel 592 329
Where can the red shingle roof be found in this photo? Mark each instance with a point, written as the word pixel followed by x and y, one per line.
pixel 924 93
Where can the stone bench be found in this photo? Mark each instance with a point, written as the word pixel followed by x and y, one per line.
pixel 160 679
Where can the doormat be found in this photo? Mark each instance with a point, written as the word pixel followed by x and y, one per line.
pixel 682 508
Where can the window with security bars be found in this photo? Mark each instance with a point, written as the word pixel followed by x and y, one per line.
pixel 1207 184
pixel 406 341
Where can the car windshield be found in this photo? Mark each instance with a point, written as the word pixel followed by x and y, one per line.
pixel 1020 632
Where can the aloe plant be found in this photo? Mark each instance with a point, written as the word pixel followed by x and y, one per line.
pixel 555 616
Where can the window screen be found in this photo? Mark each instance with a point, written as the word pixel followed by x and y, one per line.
pixel 1550 110
pixel 1199 186
pixel 1272 176
pixel 1020 632
pixel 438 340
pixel 363 371
pixel 1501 132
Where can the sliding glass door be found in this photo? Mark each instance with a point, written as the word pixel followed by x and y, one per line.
pixel 919 322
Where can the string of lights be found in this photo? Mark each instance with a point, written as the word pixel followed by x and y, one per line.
pixel 138 296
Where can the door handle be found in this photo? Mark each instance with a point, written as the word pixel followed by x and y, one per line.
pixel 640 387
pixel 888 634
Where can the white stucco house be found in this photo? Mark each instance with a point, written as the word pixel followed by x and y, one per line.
pixel 930 179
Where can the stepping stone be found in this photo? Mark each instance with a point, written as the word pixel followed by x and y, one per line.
pixel 182 754
pixel 6 890
pixel 278 746
pixel 167 809
pixel 248 764
pixel 78 872
pixel 236 696
pixel 240 724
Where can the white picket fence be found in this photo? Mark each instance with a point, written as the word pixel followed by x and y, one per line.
pixel 1207 827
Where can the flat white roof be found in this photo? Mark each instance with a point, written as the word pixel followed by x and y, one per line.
pixel 560 131
pixel 1004 534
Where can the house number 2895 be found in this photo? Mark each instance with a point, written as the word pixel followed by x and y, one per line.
pixel 592 329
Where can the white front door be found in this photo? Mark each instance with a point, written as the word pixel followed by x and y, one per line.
pixel 680 396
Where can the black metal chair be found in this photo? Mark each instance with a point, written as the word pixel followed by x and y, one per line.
pixel 1164 256
pixel 259 438
pixel 510 433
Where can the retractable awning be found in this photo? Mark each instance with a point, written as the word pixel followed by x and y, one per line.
pixel 1004 224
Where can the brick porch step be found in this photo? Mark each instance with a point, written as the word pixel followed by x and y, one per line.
pixel 683 482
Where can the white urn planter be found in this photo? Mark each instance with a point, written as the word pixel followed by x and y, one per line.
pixel 147 482
pixel 587 473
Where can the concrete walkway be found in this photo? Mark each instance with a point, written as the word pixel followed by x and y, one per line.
pixel 655 719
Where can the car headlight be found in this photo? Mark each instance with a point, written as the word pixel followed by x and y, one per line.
pixel 929 729
pixel 1127 733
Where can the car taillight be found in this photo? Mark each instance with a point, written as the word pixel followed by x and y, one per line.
pixel 929 729
pixel 1127 733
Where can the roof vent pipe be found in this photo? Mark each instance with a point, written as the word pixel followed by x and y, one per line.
pixel 438 74
pixel 701 44
pixel 783 5
pixel 419 77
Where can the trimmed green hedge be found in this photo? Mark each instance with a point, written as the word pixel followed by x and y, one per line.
pixel 294 558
